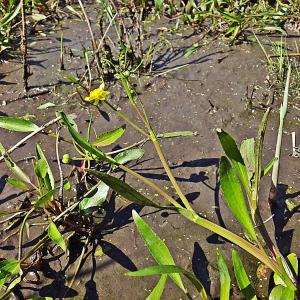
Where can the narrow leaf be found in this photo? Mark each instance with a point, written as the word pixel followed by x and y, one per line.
pixel 234 196
pixel 8 268
pixel 17 183
pixel 45 198
pixel 49 178
pixel 171 269
pixel 46 105
pixel 129 155
pixel 156 247
pixel 248 155
pixel 56 236
pixel 17 124
pixel 123 189
pixel 224 278
pixel 231 150
pixel 158 289
pixel 94 198
pixel 176 134
pixel 82 142
pixel 108 138
pixel 13 167
pixel 242 277
pixel 41 168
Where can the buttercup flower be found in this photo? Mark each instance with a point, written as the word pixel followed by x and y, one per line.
pixel 97 95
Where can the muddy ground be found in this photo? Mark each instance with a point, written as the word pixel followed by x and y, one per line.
pixel 206 91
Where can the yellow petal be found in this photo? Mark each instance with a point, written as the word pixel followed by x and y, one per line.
pixel 102 86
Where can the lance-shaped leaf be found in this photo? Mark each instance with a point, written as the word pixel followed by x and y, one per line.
pixel 224 278
pixel 94 198
pixel 8 268
pixel 17 183
pixel 242 277
pixel 56 236
pixel 156 247
pixel 172 270
pixel 17 124
pixel 13 167
pixel 248 154
pixel 158 289
pixel 109 137
pixel 48 178
pixel 234 196
pixel 123 189
pixel 232 152
pixel 281 292
pixel 82 142
pixel 44 199
pixel 129 155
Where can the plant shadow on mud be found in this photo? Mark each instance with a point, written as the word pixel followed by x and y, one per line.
pixel 282 215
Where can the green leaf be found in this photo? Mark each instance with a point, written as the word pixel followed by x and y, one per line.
pixel 17 183
pixel 158 4
pixel 45 198
pixel 82 142
pixel 108 138
pixel 94 198
pixel 281 292
pixel 46 105
pixel 231 17
pixel 158 289
pixel 17 124
pixel 268 167
pixel 56 236
pixel 13 167
pixel 232 152
pixel 172 270
pixel 175 134
pixel 248 155
pixel 123 189
pixel 293 261
pixel 38 17
pixel 41 168
pixel 156 247
pixel 129 155
pixel 234 196
pixel 67 185
pixel 48 178
pixel 224 278
pixel 242 277
pixel 8 268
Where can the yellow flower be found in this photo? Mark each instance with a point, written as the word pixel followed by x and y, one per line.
pixel 97 95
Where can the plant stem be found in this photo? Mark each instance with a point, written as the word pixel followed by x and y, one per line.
pixel 125 118
pixel 170 175
pixel 150 184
